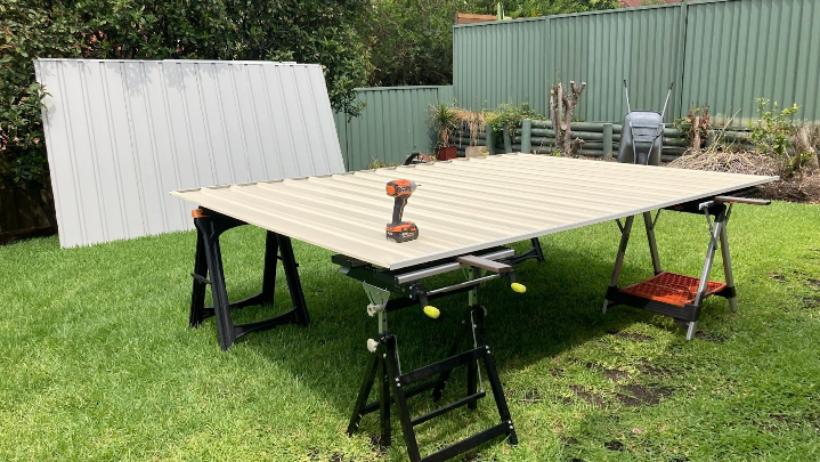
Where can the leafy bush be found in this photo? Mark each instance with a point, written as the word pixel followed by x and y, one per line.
pixel 411 42
pixel 773 132
pixel 509 117
pixel 774 128
pixel 306 31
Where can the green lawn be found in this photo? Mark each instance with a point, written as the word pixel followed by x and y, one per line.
pixel 97 362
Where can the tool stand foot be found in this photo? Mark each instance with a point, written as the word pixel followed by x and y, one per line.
pixel 691 329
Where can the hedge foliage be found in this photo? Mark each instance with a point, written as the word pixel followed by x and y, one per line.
pixel 314 31
pixel 384 42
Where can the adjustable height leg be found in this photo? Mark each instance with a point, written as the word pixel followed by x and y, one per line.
pixel 384 400
pixel 715 233
pixel 626 229
pixel 478 315
pixel 537 250
pixel 653 244
pixel 727 268
pixel 373 368
pixel 269 271
pixel 394 374
pixel 213 257
pixel 197 312
pixel 297 296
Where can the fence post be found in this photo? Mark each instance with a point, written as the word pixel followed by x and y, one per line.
pixel 507 140
pixel 490 139
pixel 607 142
pixel 526 136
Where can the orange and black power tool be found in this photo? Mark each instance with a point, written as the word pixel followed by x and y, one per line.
pixel 397 230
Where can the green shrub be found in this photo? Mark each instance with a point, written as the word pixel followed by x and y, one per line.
pixel 312 31
pixel 509 117
pixel 773 132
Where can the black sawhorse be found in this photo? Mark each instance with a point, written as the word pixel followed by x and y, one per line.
pixel 208 269
pixel 680 296
pixel 395 386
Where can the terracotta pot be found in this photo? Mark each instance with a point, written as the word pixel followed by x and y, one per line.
pixel 446 152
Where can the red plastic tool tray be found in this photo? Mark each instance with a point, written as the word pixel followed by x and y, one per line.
pixel 672 289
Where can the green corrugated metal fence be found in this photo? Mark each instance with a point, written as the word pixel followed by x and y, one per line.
pixel 724 53
pixel 737 51
pixel 393 123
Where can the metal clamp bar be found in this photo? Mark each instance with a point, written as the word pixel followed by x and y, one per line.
pixel 741 200
pixel 462 285
pixel 412 276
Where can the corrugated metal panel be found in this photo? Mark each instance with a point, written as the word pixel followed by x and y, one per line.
pixel 738 51
pixel 393 123
pixel 724 53
pixel 515 62
pixel 501 63
pixel 462 206
pixel 121 134
pixel 605 48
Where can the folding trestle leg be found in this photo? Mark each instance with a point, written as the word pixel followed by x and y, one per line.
pixel 396 386
pixel 678 296
pixel 208 269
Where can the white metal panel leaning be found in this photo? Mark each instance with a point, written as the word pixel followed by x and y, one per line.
pixel 121 133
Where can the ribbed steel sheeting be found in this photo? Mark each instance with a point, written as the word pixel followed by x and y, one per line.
pixel 496 63
pixel 395 121
pixel 724 53
pixel 461 206
pixel 737 51
pixel 604 49
pixel 121 134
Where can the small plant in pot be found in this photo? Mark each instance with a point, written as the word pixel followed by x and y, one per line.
pixel 444 120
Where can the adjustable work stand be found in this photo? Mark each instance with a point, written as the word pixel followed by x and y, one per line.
pixel 679 296
pixel 208 269
pixel 395 386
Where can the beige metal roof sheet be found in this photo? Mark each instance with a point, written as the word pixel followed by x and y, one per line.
pixel 460 206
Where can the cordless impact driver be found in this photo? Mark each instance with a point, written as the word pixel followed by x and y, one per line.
pixel 397 230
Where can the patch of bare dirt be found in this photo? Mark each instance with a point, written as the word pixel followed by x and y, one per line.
pixel 616 375
pixel 614 445
pixel 586 395
pixel 777 277
pixel 641 395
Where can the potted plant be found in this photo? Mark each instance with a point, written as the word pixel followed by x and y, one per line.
pixel 444 120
